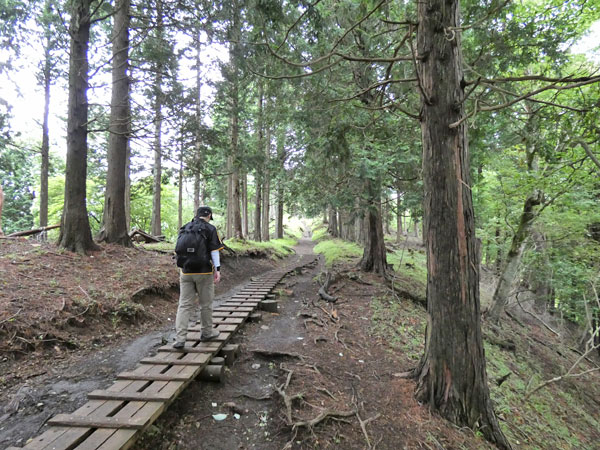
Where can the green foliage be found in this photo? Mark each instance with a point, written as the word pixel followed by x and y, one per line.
pixel 336 250
pixel 409 262
pixel 16 175
pixel 275 248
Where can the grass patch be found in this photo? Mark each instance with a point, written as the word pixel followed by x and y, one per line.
pixel 164 246
pixel 400 324
pixel 412 263
pixel 275 248
pixel 336 250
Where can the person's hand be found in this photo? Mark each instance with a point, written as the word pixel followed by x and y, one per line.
pixel 217 276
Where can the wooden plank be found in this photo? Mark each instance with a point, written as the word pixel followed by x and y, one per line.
pixel 97 422
pixel 229 320
pixel 231 314
pixel 120 439
pixel 233 308
pixel 100 394
pixel 187 359
pixel 151 377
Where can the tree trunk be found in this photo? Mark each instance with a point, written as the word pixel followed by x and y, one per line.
pixel 279 226
pixel 180 190
pixel 234 60
pixel 1 205
pixel 257 210
pixel 128 179
pixel 513 258
pixel 374 257
pixel 333 226
pixel 399 214
pixel 245 203
pixel 266 188
pixel 229 226
pixel 451 375
pixel 75 234
pixel 115 222
pixel 158 119
pixel 45 150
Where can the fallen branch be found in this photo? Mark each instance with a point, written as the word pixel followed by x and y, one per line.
pixel 535 317
pixel 11 317
pixel 561 377
pixel 31 232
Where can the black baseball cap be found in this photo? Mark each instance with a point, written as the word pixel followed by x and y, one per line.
pixel 204 211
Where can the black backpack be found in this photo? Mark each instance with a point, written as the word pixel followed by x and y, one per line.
pixel 192 245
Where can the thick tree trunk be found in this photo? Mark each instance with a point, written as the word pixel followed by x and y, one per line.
pixel 128 180
pixel 234 59
pixel 158 119
pixel 115 222
pixel 541 279
pixel 75 233
pixel 374 257
pixel 513 258
pixel 333 225
pixel 451 375
pixel 266 191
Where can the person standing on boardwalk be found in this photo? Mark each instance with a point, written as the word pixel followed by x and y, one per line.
pixel 197 254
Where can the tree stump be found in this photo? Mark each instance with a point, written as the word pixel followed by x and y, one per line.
pixel 255 317
pixel 269 305
pixel 230 352
pixel 211 373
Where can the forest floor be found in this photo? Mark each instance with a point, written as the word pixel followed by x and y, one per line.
pixel 314 375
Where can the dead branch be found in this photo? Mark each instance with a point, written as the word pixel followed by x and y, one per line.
pixel 32 232
pixel 561 377
pixel 287 400
pixel 535 316
pixel 12 317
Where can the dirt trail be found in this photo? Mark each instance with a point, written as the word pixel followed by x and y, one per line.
pixel 61 385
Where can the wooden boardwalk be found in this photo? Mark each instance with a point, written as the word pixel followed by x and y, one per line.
pixel 115 417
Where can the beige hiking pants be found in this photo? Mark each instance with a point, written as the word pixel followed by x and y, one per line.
pixel 189 286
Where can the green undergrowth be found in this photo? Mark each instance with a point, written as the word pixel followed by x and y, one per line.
pixel 337 251
pixel 164 246
pixel 411 263
pixel 561 415
pixel 400 324
pixel 274 249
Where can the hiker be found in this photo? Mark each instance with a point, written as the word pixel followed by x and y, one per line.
pixel 197 254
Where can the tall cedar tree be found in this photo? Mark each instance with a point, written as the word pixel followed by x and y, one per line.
pixel 115 222
pixel 451 375
pixel 75 233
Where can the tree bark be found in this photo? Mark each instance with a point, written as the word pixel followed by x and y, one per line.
pixel 451 376
pixel 244 185
pixel 158 119
pixel 45 150
pixel 75 233
pixel 234 56
pixel 257 210
pixel 266 191
pixel 399 214
pixel 279 225
pixel 115 222
pixel 374 257
pixel 1 205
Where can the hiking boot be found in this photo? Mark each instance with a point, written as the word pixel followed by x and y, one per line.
pixel 179 345
pixel 212 334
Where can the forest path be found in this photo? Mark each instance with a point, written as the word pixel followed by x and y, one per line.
pixel 60 385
